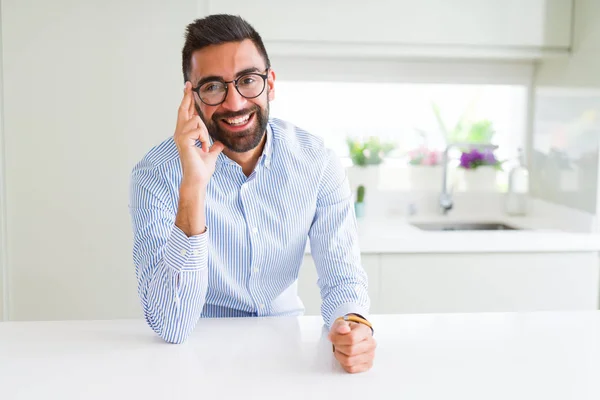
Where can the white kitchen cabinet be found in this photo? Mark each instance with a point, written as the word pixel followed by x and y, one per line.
pixel 405 27
pixel 309 291
pixel 436 283
pixel 405 283
pixel 2 316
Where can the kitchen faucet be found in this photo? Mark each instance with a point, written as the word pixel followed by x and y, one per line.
pixel 446 202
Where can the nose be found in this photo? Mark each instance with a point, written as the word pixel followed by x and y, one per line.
pixel 234 100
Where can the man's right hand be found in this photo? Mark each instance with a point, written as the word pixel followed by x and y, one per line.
pixel 198 164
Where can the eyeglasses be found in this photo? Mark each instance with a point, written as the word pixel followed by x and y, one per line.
pixel 214 92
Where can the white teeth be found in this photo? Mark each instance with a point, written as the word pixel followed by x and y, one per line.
pixel 238 120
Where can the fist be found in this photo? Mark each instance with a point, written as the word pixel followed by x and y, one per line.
pixel 354 345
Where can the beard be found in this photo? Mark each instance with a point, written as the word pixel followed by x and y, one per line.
pixel 243 141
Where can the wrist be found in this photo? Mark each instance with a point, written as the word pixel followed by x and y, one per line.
pixel 190 216
pixel 191 196
pixel 192 186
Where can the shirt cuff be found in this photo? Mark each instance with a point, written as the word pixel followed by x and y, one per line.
pixel 185 253
pixel 348 308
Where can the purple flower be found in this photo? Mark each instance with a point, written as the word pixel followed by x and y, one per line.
pixel 489 158
pixel 476 158
pixel 467 159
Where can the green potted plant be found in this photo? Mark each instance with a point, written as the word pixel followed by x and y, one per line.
pixel 369 152
pixel 467 129
pixel 366 156
pixel 359 204
pixel 478 168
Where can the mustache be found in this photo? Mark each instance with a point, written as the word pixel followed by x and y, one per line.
pixel 233 114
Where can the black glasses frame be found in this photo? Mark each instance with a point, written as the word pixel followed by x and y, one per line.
pixel 235 83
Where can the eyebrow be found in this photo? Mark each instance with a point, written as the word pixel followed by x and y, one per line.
pixel 220 78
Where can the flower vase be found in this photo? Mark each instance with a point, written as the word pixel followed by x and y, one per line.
pixel 480 179
pixel 426 178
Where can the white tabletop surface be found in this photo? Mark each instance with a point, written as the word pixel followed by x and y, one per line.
pixel 437 356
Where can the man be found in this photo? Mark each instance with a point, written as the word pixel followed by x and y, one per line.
pixel 222 210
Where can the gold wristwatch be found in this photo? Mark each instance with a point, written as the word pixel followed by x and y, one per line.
pixel 356 318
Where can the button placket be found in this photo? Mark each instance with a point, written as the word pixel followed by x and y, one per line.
pixel 252 230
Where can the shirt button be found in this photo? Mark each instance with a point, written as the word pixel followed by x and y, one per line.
pixel 256 270
pixel 196 252
pixel 183 252
pixel 255 230
pixel 261 306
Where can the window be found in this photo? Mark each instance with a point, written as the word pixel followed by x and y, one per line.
pixel 404 113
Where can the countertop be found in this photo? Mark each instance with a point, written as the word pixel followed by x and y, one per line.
pixel 397 235
pixel 451 356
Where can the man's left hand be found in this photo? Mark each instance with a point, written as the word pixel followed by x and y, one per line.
pixel 354 345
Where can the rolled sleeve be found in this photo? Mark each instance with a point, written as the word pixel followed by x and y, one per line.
pixel 183 253
pixel 171 268
pixel 334 247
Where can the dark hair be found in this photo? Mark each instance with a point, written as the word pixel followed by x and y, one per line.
pixel 218 29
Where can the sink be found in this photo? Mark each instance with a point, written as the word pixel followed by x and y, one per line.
pixel 464 226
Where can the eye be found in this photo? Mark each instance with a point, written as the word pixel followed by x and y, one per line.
pixel 247 80
pixel 211 87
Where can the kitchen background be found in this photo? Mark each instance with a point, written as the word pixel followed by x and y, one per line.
pixel 88 87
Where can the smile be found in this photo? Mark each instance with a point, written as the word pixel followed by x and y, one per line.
pixel 238 121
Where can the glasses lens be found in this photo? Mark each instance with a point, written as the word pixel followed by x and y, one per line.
pixel 212 92
pixel 250 85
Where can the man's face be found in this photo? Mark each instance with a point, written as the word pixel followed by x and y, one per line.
pixel 239 122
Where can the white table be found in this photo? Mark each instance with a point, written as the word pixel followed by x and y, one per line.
pixel 450 356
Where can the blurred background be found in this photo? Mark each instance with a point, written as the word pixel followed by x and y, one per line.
pixel 490 106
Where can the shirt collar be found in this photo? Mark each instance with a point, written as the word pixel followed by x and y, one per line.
pixel 268 150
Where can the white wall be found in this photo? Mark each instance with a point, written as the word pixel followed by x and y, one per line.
pixel 567 117
pixel 3 268
pixel 89 87
pixel 408 28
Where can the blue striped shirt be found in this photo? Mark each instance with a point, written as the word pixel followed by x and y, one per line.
pixel 246 263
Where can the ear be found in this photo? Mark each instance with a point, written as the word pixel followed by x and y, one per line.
pixel 271 85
